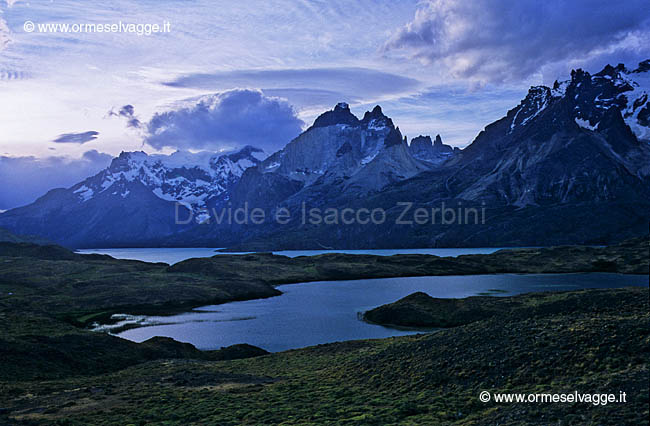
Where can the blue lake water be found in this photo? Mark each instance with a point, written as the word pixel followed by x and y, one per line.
pixel 175 255
pixel 323 312
pixel 166 255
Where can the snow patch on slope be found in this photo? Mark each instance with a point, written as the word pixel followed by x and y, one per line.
pixel 535 102
pixel 184 177
pixel 84 193
pixel 637 99
pixel 585 124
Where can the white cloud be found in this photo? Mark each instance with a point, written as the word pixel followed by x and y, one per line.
pixel 5 32
pixel 70 81
pixel 225 120
pixel 312 53
pixel 503 40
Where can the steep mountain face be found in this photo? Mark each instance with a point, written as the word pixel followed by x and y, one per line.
pixel 580 141
pixel 134 201
pixel 338 153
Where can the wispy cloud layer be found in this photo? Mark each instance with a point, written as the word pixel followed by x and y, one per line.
pixel 5 37
pixel 503 40
pixel 225 120
pixel 303 87
pixel 121 69
pixel 5 32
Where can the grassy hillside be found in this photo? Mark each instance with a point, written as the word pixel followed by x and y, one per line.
pixel 421 310
pixel 55 370
pixel 425 379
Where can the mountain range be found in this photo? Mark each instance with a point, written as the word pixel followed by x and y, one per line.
pixel 135 200
pixel 569 164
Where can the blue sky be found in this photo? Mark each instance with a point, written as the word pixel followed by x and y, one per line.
pixel 230 72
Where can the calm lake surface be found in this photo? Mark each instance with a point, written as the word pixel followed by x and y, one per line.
pixel 323 312
pixel 175 255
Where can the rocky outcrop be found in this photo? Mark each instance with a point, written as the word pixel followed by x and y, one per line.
pixel 435 152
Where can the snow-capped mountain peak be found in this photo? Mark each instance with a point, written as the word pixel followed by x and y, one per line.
pixel 586 98
pixel 193 179
pixel 614 86
pixel 376 120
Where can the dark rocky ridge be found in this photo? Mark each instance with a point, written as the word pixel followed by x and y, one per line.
pixel 40 357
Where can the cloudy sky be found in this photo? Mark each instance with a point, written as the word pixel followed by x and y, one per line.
pixel 230 73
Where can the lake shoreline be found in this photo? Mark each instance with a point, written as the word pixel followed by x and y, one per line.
pixel 626 258
pixel 104 318
pixel 341 303
pixel 159 289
